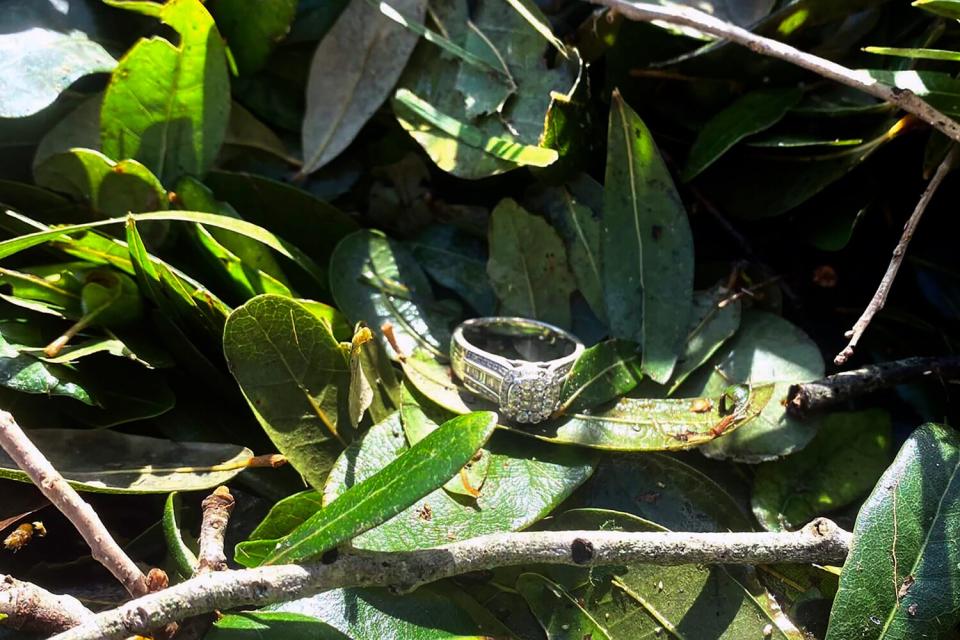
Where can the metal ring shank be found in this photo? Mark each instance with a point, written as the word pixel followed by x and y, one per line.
pixel 484 373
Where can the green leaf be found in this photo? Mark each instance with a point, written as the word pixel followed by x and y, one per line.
pixel 634 424
pixel 246 132
pixel 168 106
pixel 352 72
pixel 242 227
pixel 428 613
pixel 412 475
pixel 456 261
pixel 520 488
pixel 269 625
pixel 28 374
pixel 840 464
pixel 766 349
pixel 288 514
pixel 939 89
pixel 183 556
pixel 751 113
pixel 945 8
pixel 528 266
pixel 602 373
pixel 647 601
pixel 441 97
pixel 917 53
pixel 78 129
pixel 560 615
pixel 295 378
pixel 710 326
pixel 578 223
pixel 898 579
pixel 120 463
pixel 252 29
pixel 40 63
pixel 649 286
pixel 416 115
pixel 375 279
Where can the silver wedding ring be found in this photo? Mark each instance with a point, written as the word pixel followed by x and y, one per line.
pixel 518 363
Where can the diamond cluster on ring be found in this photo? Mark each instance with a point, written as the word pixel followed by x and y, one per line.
pixel 530 394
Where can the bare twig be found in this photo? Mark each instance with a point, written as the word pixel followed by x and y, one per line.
pixel 27 607
pixel 216 513
pixel 820 541
pixel 833 390
pixel 903 98
pixel 880 297
pixel 103 547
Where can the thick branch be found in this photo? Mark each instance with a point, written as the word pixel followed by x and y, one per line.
pixel 820 541
pixel 903 98
pixel 103 547
pixel 840 387
pixel 27 607
pixel 880 297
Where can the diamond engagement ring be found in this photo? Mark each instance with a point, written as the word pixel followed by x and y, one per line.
pixel 518 363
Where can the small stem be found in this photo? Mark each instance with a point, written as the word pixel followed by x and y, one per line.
pixel 880 296
pixel 103 547
pixel 216 514
pixel 809 397
pixel 820 541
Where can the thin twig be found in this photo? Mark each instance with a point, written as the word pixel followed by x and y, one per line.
pixel 880 297
pixel 903 98
pixel 103 547
pixel 820 541
pixel 833 390
pixel 27 607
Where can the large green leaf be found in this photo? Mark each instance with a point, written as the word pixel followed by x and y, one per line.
pixel 377 498
pixel 647 601
pixel 376 280
pixel 519 488
pixel 528 266
pixel 751 113
pixel 40 63
pixel 428 613
pixel 108 462
pixel 470 121
pixel 710 326
pixel 168 106
pixel 945 8
pixel 252 29
pixel 295 378
pixel 647 244
pixel 352 72
pixel 602 373
pixel 838 466
pixel 766 349
pixel 900 575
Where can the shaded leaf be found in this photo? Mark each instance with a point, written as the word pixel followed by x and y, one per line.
pixel 40 63
pixel 648 288
pixel 528 266
pixel 945 8
pixel 168 106
pixel 839 465
pixel 710 326
pixel 749 114
pixel 458 262
pixel 252 29
pixel 183 556
pixel 269 625
pixel 377 280
pixel 898 579
pixel 28 374
pixel 393 488
pixel 244 130
pixel 352 72
pixel 109 462
pixel 295 378
pixel 560 615
pixel 602 373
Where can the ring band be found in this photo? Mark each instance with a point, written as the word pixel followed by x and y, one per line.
pixel 527 387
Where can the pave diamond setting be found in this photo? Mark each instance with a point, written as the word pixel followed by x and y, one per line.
pixel 530 394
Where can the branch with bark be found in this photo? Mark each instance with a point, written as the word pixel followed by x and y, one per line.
pixel 820 541
pixel 831 391
pixel 27 607
pixel 688 17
